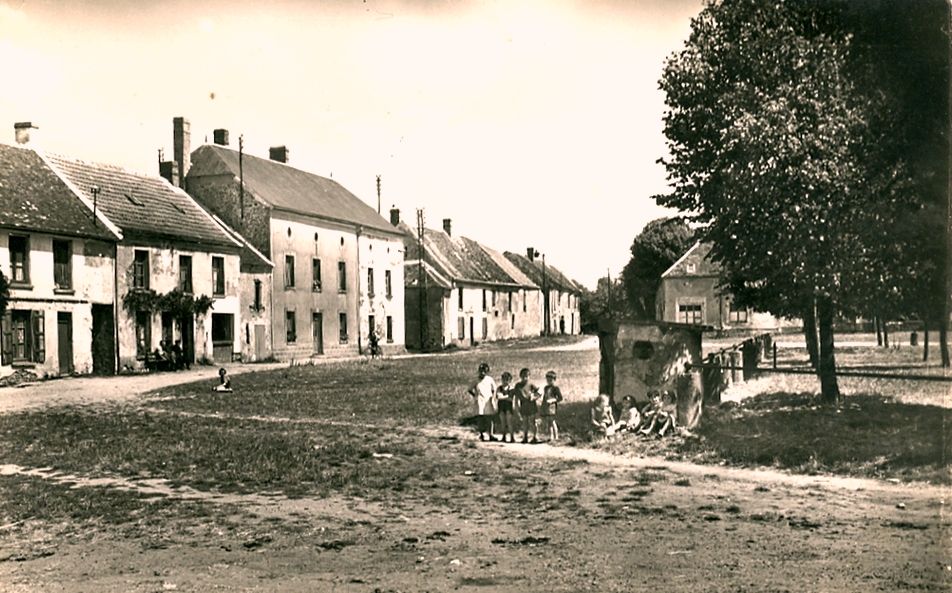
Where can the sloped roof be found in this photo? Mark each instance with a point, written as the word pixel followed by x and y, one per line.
pixel 460 259
pixel 694 263
pixel 34 198
pixel 284 187
pixel 553 276
pixel 249 255
pixel 143 206
pixel 411 276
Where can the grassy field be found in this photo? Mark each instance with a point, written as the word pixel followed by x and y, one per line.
pixel 312 430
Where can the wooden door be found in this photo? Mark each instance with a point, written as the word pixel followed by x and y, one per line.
pixel 64 323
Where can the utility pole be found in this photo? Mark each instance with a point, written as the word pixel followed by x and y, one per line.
pixel 545 297
pixel 421 283
pixel 378 194
pixel 241 177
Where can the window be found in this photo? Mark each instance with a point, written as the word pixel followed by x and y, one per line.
pixel 289 271
pixel 223 328
pixel 258 305
pixel 24 338
pixel 343 328
pixel 460 298
pixel 316 275
pixel 143 334
pixel 689 314
pixel 371 325
pixel 512 324
pixel 692 268
pixel 509 306
pixel 388 283
pixel 290 327
pixel 461 333
pixel 20 260
pixel 494 298
pixel 524 300
pixel 218 276
pixel 62 265
pixel 370 281
pixel 140 270
pixel 484 299
pixel 185 273
pixel 737 314
pixel 389 328
pixel 341 276
pixel 485 328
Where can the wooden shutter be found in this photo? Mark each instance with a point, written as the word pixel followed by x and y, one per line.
pixel 39 337
pixel 6 348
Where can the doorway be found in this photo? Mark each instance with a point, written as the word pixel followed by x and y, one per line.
pixel 64 324
pixel 104 341
pixel 472 331
pixel 261 350
pixel 317 331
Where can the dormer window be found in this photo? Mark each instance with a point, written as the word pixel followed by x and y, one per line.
pixel 692 268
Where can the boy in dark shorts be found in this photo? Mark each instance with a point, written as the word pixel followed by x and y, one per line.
pixel 551 396
pixel 527 396
pixel 504 403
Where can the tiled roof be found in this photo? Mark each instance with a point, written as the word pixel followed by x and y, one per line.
pixel 145 207
pixel 694 263
pixel 411 275
pixel 553 276
pixel 287 188
pixel 34 198
pixel 463 260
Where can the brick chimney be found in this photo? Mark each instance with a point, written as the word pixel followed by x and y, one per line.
pixel 221 137
pixel 169 170
pixel 279 153
pixel 182 147
pixel 531 253
pixel 23 130
pixel 448 226
pixel 395 216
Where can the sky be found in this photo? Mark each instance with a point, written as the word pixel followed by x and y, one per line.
pixel 527 123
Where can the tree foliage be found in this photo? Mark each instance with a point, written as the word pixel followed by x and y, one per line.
pixel 659 245
pixel 607 300
pixel 176 302
pixel 783 145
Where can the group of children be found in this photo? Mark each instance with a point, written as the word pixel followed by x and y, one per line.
pixel 658 416
pixel 504 404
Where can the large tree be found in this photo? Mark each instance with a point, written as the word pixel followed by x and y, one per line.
pixel 783 147
pixel 606 301
pixel 654 250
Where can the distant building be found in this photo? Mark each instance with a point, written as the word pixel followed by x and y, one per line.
pixel 60 261
pixel 338 265
pixel 459 292
pixel 689 294
pixel 561 294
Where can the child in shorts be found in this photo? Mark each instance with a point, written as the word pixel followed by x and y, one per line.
pixel 629 418
pixel 484 396
pixel 504 401
pixel 551 396
pixel 603 420
pixel 660 413
pixel 527 395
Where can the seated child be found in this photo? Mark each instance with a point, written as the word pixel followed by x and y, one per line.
pixel 661 413
pixel 629 418
pixel 603 421
pixel 224 383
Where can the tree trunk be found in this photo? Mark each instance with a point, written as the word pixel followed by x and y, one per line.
pixel 879 332
pixel 829 389
pixel 809 332
pixel 944 342
pixel 925 344
pixel 885 334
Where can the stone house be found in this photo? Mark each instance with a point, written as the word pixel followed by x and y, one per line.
pixel 59 259
pixel 172 256
pixel 689 293
pixel 338 265
pixel 561 295
pixel 459 292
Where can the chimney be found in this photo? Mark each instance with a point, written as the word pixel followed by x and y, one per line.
pixel 169 170
pixel 279 153
pixel 221 137
pixel 395 216
pixel 530 253
pixel 448 226
pixel 182 147
pixel 22 131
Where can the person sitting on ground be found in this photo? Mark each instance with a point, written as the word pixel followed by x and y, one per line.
pixel 629 418
pixel 660 413
pixel 603 420
pixel 224 383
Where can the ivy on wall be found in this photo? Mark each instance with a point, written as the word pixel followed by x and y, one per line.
pixel 178 303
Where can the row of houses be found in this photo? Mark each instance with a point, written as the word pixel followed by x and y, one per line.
pixel 231 256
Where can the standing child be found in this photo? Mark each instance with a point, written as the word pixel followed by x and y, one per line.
pixel 504 399
pixel 484 395
pixel 527 395
pixel 551 396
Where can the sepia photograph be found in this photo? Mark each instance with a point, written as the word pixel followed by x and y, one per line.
pixel 397 296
